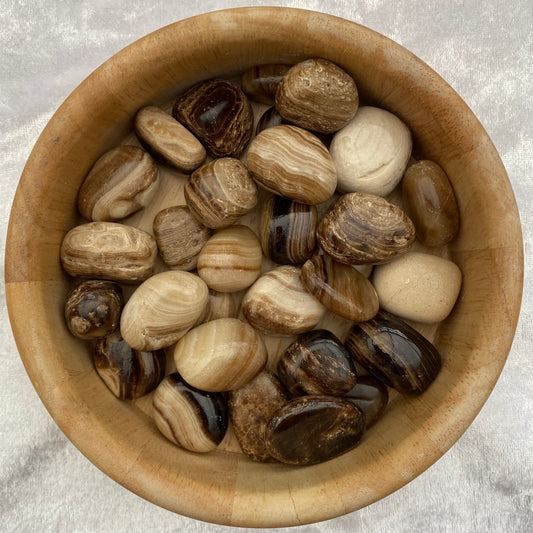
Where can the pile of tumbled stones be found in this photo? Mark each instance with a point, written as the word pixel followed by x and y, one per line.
pixel 320 171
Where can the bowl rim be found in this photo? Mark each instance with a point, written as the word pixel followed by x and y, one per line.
pixel 25 283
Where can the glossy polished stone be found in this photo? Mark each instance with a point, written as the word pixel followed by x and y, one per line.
pixel 317 95
pixel 220 192
pixel 121 182
pixel 431 203
pixel 317 363
pixel 371 396
pixel 108 250
pixel 371 152
pixel 395 353
pixel 168 140
pixel 418 286
pixel 219 114
pixel 163 309
pixel 93 308
pixel 261 82
pixel 193 419
pixel 364 228
pixel 278 303
pixel 231 259
pixel 220 355
pixel 294 163
pixel 180 237
pixel 287 230
pixel 269 119
pixel 340 288
pixel 314 429
pixel 250 408
pixel 219 305
pixel 128 373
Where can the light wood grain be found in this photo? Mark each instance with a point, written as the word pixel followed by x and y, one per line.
pixel 224 486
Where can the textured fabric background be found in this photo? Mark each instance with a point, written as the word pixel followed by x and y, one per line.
pixel 484 50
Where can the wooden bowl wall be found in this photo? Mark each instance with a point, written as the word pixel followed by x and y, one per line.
pixel 225 487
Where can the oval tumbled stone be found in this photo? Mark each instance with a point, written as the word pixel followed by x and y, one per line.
pixel 193 419
pixel 261 82
pixel 294 163
pixel 219 114
pixel 371 396
pixel 278 303
pixel 121 182
pixel 163 309
pixel 363 228
pixel 314 429
pixel 250 408
pixel 340 288
pixel 317 363
pixel 395 353
pixel 128 373
pixel 220 355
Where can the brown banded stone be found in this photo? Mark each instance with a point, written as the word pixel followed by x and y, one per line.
pixel 261 82
pixel 314 429
pixel 340 288
pixel 180 237
pixel 219 305
pixel 191 418
pixel 287 230
pixel 121 182
pixel 363 228
pixel 395 353
pixel 250 408
pixel 93 308
pixel 168 140
pixel 430 202
pixel 317 363
pixel 220 192
pixel 219 114
pixel 269 119
pixel 128 373
pixel 317 95
pixel 294 163
pixel 371 396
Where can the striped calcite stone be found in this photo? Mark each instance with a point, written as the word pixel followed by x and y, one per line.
pixel 231 259
pixel 287 230
pixel 279 304
pixel 294 163
pixel 168 140
pixel 220 355
pixel 193 419
pixel 121 182
pixel 220 192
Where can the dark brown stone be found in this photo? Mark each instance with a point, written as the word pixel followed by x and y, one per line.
pixel 317 363
pixel 314 429
pixel 128 373
pixel 261 82
pixel 250 408
pixel 219 114
pixel 371 396
pixel 395 353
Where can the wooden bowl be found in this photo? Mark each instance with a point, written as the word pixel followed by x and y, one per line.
pixel 120 437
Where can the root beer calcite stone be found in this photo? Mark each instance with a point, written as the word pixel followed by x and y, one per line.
pixel 250 408
pixel 261 82
pixel 128 373
pixel 395 353
pixel 317 363
pixel 191 418
pixel 219 114
pixel 371 396
pixel 340 288
pixel 314 429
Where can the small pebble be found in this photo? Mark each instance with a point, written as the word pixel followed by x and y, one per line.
pixel 219 305
pixel 418 286
pixel 193 419
pixel 230 260
pixel 261 82
pixel 121 182
pixel 371 396
pixel 371 152
pixel 220 355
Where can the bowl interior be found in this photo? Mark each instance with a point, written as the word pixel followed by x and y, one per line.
pixel 120 437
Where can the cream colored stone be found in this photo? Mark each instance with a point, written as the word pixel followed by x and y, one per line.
pixel 371 152
pixel 417 286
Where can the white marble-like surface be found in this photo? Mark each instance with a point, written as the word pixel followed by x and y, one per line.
pixel 484 50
